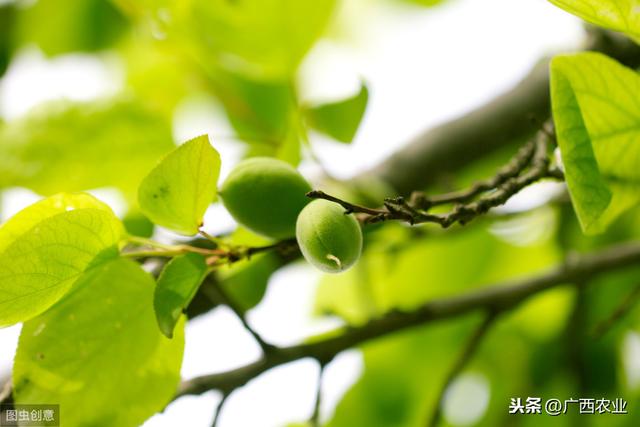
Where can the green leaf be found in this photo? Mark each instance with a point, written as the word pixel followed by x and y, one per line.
pixel 619 15
pixel 258 110
pixel 177 285
pixel 45 208
pixel 137 224
pixel 178 191
pixel 264 114
pixel 81 146
pixel 340 120
pixel 98 352
pixel 597 117
pixel 74 25
pixel 54 242
pixel 266 38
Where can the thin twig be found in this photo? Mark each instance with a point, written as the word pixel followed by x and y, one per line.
pixel 216 416
pixel 529 165
pixel 512 169
pixel 556 173
pixel 216 257
pixel 620 312
pixel 574 340
pixel 219 242
pixel 463 359
pixel 216 292
pixel 349 207
pixel 499 297
pixel 315 416
pixel 283 247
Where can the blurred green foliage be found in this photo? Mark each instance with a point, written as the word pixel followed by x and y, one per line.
pixel 76 26
pixel 245 54
pixel 80 146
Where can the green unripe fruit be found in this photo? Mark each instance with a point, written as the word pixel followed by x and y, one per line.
pixel 328 239
pixel 265 195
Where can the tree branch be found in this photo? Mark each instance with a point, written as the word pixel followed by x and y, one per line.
pixel 216 293
pixel 284 251
pixel 498 298
pixel 511 170
pixel 314 420
pixel 216 256
pixel 219 406
pixel 467 354
pixel 575 341
pixel 529 165
pixel 625 306
pixel 504 121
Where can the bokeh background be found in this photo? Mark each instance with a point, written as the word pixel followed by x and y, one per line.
pixel 72 65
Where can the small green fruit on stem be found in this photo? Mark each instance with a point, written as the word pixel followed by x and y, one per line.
pixel 328 239
pixel 265 195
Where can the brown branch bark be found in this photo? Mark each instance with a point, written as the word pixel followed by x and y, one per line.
pixel 504 121
pixel 529 165
pixel 464 358
pixel 497 298
pixel 625 306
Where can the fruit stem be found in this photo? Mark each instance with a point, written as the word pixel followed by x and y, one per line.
pixel 163 249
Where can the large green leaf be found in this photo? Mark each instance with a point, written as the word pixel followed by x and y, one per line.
pixel 98 352
pixel 597 117
pixel 340 120
pixel 178 191
pixel 177 285
pixel 619 15
pixel 80 146
pixel 54 243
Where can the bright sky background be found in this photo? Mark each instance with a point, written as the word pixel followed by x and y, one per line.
pixel 423 66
